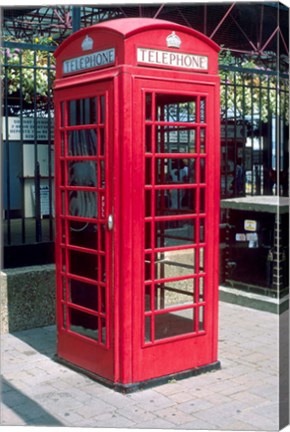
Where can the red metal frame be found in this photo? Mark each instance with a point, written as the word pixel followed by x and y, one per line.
pixel 140 154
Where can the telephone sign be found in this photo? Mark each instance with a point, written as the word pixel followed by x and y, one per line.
pixel 137 201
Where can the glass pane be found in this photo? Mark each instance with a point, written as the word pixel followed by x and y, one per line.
pixel 202 230
pixel 103 298
pixel 148 139
pixel 175 171
pixel 175 139
pixel 177 293
pixel 148 236
pixel 148 336
pixel 175 233
pixel 201 318
pixel 103 331
pixel 147 297
pixel 148 171
pixel 202 110
pixel 202 141
pixel 82 173
pixel 175 201
pixel 84 324
pixel 175 108
pixel 83 264
pixel 83 234
pixel 62 173
pixel 102 109
pixel 82 111
pixel 148 105
pixel 173 264
pixel 83 204
pixel 148 267
pixel 148 204
pixel 202 200
pixel 174 324
pixel 201 259
pixel 84 294
pixel 201 289
pixel 102 141
pixel 102 269
pixel 82 142
pixel 202 170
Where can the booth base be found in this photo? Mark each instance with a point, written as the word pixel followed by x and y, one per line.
pixel 142 385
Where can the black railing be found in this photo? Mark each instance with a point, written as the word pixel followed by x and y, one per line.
pixel 254 145
pixel 255 134
pixel 27 134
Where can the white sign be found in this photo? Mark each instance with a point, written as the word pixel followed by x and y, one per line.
pixel 89 61
pixel 44 199
pixel 172 58
pixel 28 129
pixel 250 225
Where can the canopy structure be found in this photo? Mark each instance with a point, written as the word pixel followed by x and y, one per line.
pixel 244 28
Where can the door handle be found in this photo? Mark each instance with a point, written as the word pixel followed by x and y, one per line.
pixel 110 222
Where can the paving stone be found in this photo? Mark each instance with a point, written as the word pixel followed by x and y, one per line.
pixel 108 420
pixel 258 422
pixel 151 400
pixel 180 397
pixel 158 423
pixel 93 408
pixel 118 400
pixel 195 405
pixel 136 414
pixel 174 415
pixel 242 395
pixel 9 418
pixel 170 388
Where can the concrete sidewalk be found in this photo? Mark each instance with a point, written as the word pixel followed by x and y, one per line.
pixel 243 395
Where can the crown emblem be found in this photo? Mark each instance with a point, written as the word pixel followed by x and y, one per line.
pixel 87 43
pixel 173 41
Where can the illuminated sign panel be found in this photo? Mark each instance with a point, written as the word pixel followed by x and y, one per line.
pixel 172 58
pixel 89 61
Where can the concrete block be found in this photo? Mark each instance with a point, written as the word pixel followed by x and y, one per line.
pixel 27 297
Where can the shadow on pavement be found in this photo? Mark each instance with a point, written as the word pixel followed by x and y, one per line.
pixel 27 409
pixel 42 339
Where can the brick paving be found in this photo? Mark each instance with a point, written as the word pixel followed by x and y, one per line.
pixel 243 395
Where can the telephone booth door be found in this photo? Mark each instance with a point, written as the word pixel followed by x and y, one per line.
pixel 177 305
pixel 84 201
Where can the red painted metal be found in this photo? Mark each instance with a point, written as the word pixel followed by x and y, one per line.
pixel 137 143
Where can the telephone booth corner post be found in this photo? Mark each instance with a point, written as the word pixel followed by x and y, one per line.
pixel 137 201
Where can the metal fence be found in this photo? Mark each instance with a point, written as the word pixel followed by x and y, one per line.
pixel 254 132
pixel 27 74
pixel 254 145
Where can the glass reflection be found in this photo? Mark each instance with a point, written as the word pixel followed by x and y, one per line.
pixel 176 293
pixel 82 142
pixel 172 264
pixel 82 111
pixel 176 139
pixel 82 173
pixel 174 323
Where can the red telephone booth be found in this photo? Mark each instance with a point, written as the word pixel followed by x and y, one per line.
pixel 137 201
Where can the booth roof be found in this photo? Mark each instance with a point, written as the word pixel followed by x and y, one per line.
pixel 128 27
